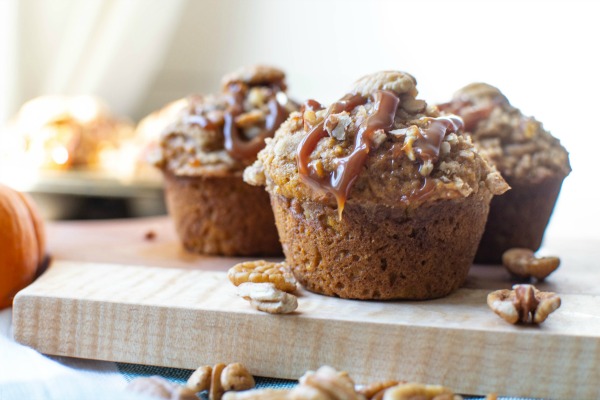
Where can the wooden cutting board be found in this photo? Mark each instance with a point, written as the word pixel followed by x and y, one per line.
pixel 125 291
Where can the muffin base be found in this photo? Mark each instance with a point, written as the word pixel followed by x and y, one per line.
pixel 379 252
pixel 518 218
pixel 221 215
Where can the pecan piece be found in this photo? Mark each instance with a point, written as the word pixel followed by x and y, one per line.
pixel 410 391
pixel 524 303
pixel 262 271
pixel 375 391
pixel 524 264
pixel 325 383
pixel 266 297
pixel 220 379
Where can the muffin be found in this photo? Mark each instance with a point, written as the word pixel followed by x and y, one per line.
pixel 202 155
pixel 377 196
pixel 531 160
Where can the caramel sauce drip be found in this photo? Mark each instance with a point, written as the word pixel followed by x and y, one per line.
pixel 339 181
pixel 470 113
pixel 238 147
pixel 311 104
pixel 202 122
pixel 427 146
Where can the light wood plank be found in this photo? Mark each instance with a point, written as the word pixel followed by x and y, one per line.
pixel 184 318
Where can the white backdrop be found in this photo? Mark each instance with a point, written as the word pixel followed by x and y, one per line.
pixel 140 54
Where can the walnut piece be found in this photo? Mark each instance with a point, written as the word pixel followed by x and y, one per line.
pixel 410 391
pixel 236 377
pixel 524 264
pixel 266 297
pixel 524 303
pixel 327 384
pixel 160 388
pixel 375 391
pixel 199 381
pixel 219 379
pixel 262 271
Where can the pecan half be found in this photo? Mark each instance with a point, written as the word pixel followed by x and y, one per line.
pixel 524 304
pixel 524 264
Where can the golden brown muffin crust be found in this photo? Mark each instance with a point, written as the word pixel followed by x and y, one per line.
pixel 519 146
pixel 217 135
pixel 393 171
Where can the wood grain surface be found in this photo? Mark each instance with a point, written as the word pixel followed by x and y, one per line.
pixel 113 294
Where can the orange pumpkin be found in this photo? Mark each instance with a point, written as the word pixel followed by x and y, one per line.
pixel 22 243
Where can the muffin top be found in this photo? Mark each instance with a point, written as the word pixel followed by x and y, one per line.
pixel 522 150
pixel 217 135
pixel 379 144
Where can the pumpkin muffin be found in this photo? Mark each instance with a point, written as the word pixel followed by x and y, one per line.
pixel 202 155
pixel 377 196
pixel 532 161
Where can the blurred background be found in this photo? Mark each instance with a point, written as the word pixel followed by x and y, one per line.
pixel 136 56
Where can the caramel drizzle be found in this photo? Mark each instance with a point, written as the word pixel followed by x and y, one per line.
pixel 470 113
pixel 427 147
pixel 201 121
pixel 340 181
pixel 311 104
pixel 238 147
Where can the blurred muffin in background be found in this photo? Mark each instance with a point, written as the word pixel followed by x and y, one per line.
pixel 68 132
pixel 202 154
pixel 532 161
pixel 147 136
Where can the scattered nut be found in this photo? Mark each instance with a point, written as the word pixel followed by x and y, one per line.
pixel 325 383
pixel 220 379
pixel 266 297
pixel 328 384
pixel 199 381
pixel 410 391
pixel 524 264
pixel 215 391
pixel 160 388
pixel 261 272
pixel 375 391
pixel 236 377
pixel 524 303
